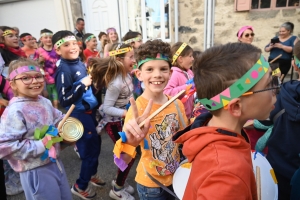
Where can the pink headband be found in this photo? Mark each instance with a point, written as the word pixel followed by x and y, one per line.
pixel 23 69
pixel 241 31
pixel 110 30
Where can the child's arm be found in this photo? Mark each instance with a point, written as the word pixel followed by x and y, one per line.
pixel 173 86
pixel 68 92
pixel 12 141
pixel 111 96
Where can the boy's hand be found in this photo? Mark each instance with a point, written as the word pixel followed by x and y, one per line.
pixel 3 102
pixel 87 81
pixel 133 132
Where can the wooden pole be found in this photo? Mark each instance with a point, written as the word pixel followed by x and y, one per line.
pixel 276 58
pixel 258 183
pixel 67 115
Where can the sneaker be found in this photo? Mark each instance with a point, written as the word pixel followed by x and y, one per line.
pixel 128 188
pixel 120 195
pixel 97 181
pixel 86 194
pixel 76 151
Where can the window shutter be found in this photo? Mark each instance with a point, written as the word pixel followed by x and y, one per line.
pixel 242 5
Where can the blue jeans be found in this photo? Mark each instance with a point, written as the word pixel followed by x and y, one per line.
pixel 151 193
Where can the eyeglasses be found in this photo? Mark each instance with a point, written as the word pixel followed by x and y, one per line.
pixel 247 35
pixel 27 80
pixel 275 87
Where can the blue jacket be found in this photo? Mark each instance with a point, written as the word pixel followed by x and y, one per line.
pixel 70 89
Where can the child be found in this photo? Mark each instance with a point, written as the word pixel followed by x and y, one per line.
pixel 102 37
pixel 112 39
pixel 135 40
pixel 240 88
pixel 160 156
pixel 91 45
pixel 283 144
pixel 73 84
pixel 47 58
pixel 181 74
pixel 28 47
pixel 114 74
pixel 26 113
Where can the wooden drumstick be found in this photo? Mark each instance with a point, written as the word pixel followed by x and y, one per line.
pixel 162 107
pixel 67 115
pixel 258 183
pixel 275 58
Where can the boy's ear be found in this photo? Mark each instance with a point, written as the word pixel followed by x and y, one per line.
pixel 235 107
pixel 57 50
pixel 139 74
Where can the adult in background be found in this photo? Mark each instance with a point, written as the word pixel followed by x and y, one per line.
pixel 283 44
pixel 79 26
pixel 245 34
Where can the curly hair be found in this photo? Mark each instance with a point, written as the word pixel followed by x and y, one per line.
pixel 104 70
pixel 151 48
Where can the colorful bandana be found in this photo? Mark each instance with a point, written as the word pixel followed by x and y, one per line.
pixel 46 34
pixel 159 56
pixel 297 61
pixel 119 51
pixel 245 83
pixel 89 38
pixel 241 31
pixel 66 39
pixel 136 39
pixel 8 32
pixel 178 52
pixel 23 69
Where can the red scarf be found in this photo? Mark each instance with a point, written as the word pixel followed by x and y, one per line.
pixel 18 51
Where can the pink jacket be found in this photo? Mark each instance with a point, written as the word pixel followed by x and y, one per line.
pixel 177 83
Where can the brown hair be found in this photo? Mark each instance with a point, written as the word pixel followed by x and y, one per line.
pixel 220 66
pixel 151 48
pixel 297 50
pixel 104 70
pixel 185 52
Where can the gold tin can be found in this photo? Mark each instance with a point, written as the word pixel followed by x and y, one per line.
pixel 72 130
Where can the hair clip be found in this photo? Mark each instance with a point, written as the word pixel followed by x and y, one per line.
pixel 63 40
pixel 178 52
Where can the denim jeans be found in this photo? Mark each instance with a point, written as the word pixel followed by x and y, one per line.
pixel 151 193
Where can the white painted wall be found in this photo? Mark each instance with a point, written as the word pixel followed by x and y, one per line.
pixel 33 15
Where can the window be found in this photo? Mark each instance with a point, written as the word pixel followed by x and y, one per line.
pixel 242 5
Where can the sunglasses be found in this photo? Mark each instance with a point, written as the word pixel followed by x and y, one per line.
pixel 275 87
pixel 247 35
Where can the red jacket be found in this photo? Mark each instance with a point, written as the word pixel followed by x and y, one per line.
pixel 221 163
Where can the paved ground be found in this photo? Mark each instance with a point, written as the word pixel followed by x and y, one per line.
pixel 106 169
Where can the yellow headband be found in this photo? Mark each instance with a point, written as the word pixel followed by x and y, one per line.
pixel 8 32
pixel 178 52
pixel 276 71
pixel 119 51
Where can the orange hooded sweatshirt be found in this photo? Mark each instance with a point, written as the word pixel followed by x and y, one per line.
pixel 221 163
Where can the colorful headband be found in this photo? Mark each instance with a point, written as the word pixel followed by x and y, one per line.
pixel 46 34
pixel 23 69
pixel 159 56
pixel 63 40
pixel 119 51
pixel 241 31
pixel 8 32
pixel 276 71
pixel 297 61
pixel 89 38
pixel 136 39
pixel 110 30
pixel 26 37
pixel 178 52
pixel 245 83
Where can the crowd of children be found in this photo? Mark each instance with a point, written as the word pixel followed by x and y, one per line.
pixel 115 88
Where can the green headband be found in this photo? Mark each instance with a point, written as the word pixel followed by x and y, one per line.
pixel 297 61
pixel 245 83
pixel 159 56
pixel 89 38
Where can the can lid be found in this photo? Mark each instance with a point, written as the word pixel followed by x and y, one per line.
pixel 72 130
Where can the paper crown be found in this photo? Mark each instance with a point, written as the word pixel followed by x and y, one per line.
pixel 23 69
pixel 119 51
pixel 138 38
pixel 46 34
pixel 178 52
pixel 8 32
pixel 245 83
pixel 63 40
pixel 276 71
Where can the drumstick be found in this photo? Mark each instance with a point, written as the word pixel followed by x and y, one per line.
pixel 275 58
pixel 162 107
pixel 67 115
pixel 258 183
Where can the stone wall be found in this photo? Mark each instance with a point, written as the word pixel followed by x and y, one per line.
pixel 227 22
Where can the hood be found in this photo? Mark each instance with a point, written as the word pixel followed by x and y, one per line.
pixel 197 136
pixel 288 99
